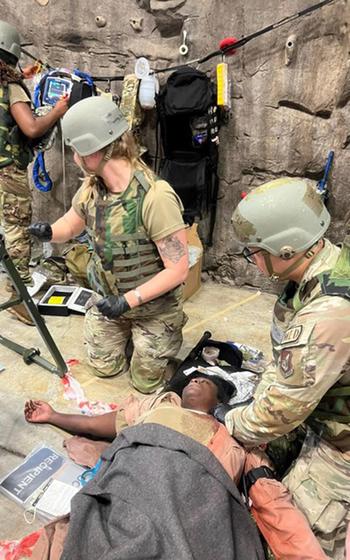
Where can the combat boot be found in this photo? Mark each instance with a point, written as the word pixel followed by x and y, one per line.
pixel 20 310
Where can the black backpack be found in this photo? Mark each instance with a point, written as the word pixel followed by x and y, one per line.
pixel 188 120
pixel 226 352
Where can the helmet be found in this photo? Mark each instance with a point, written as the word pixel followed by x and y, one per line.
pixel 284 217
pixel 92 124
pixel 9 39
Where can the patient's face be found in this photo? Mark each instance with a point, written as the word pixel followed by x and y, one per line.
pixel 200 394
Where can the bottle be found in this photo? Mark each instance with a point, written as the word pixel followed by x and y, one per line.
pixel 149 86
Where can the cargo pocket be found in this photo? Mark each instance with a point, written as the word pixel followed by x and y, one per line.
pixel 16 210
pixel 325 514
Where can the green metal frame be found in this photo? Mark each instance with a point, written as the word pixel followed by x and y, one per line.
pixel 30 355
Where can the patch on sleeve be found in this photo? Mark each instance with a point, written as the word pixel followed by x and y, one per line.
pixel 286 363
pixel 292 335
pixel 297 335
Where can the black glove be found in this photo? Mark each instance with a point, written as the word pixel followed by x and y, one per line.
pixel 113 307
pixel 41 230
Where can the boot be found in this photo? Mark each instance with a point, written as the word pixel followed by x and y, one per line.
pixel 20 311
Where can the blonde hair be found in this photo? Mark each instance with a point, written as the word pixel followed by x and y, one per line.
pixel 127 148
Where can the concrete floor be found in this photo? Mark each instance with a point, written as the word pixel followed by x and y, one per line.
pixel 229 313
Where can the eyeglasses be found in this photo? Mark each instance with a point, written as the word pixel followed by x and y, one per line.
pixel 248 254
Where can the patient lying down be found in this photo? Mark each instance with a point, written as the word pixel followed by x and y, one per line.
pixel 159 463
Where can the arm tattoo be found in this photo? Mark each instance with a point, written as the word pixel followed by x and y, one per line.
pixel 171 248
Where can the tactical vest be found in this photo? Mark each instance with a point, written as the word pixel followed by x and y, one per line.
pixel 124 257
pixel 14 148
pixel 335 404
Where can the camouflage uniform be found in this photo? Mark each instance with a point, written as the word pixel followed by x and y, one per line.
pixel 124 256
pixel 309 380
pixel 16 210
pixel 15 194
pixel 156 331
pixel 131 109
pixel 129 104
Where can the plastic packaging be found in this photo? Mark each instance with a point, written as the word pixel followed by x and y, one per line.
pixel 142 68
pixel 211 355
pixel 253 359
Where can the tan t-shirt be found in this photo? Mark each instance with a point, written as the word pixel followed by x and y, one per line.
pixel 17 94
pixel 161 211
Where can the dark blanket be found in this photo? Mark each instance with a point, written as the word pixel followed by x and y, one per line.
pixel 160 495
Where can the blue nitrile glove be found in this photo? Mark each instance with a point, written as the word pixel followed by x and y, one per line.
pixel 113 307
pixel 41 230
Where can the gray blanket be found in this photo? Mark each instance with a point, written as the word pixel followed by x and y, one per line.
pixel 160 495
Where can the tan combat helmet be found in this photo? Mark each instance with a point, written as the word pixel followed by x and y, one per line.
pixel 9 39
pixel 92 124
pixel 284 217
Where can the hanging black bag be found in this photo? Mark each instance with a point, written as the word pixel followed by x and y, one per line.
pixel 188 120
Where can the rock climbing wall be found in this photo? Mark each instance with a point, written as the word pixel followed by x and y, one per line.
pixel 290 90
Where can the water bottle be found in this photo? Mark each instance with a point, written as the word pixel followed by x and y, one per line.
pixel 148 88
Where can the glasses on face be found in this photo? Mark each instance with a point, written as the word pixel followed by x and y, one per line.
pixel 247 254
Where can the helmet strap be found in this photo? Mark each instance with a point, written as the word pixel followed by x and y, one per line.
pixel 275 276
pixel 106 157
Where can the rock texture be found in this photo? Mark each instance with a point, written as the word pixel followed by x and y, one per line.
pixel 290 96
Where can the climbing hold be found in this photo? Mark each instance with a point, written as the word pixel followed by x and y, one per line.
pixel 100 21
pixel 136 23
pixel 290 49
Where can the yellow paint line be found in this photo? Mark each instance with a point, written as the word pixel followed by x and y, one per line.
pixel 222 312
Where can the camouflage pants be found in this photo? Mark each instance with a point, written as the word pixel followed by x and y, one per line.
pixel 16 216
pixel 320 485
pixel 156 332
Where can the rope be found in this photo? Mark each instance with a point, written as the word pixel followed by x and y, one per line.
pixel 64 184
pixel 41 178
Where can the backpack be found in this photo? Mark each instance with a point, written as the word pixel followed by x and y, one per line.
pixel 225 352
pixel 188 123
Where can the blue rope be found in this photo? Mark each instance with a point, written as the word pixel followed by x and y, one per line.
pixel 84 76
pixel 37 91
pixel 41 178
